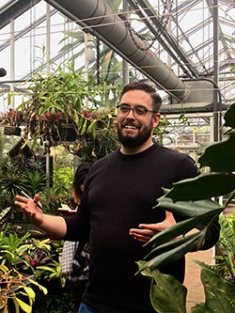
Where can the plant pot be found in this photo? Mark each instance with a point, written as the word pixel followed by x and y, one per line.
pixel 12 130
pixel 68 132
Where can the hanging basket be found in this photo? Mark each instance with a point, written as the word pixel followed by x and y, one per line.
pixel 68 132
pixel 12 131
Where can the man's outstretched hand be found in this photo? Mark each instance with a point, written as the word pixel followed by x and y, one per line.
pixel 31 208
pixel 146 231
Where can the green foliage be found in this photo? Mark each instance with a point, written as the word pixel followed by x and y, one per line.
pixel 40 257
pixel 43 257
pixel 98 136
pixel 12 249
pixel 14 280
pixel 64 99
pixel 160 131
pixel 62 304
pixel 62 182
pixel 226 248
pixel 167 292
pixel 34 182
pixel 13 180
pixel 225 151
pixel 217 183
pixel 56 100
pixel 4 158
pixel 63 90
pixel 190 198
pixel 26 263
pixel 219 292
pixel 168 295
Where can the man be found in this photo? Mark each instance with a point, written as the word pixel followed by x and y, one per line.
pixel 116 214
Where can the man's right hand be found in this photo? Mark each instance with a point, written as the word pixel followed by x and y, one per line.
pixel 30 207
pixel 53 225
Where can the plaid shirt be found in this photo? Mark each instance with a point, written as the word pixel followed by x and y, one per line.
pixel 69 261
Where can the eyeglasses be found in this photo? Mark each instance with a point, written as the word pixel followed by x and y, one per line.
pixel 139 109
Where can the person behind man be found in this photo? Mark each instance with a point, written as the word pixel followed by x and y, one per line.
pixel 116 212
pixel 75 254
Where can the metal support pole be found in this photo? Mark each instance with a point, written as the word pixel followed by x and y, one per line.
pixel 48 38
pixel 12 58
pixel 48 55
pixel 216 70
pixel 125 66
pixel 89 56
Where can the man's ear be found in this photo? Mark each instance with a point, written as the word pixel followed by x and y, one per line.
pixel 156 120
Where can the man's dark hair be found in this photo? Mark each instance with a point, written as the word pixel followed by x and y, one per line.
pixel 157 100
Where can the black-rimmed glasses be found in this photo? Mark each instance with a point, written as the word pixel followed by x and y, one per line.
pixel 138 109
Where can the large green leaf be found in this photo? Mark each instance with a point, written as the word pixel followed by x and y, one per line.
pixel 220 157
pixel 229 116
pixel 202 187
pixel 188 208
pixel 174 250
pixel 182 228
pixel 173 244
pixel 167 294
pixel 220 294
pixel 198 308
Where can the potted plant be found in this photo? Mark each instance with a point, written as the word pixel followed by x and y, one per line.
pixel 56 101
pixel 97 134
pixel 191 198
pixel 19 170
pixel 13 119
pixel 16 285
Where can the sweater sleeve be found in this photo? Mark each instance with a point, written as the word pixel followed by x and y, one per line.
pixel 78 226
pixel 212 234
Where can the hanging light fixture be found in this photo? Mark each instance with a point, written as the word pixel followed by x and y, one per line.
pixel 3 72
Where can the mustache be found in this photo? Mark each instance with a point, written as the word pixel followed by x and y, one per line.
pixel 130 123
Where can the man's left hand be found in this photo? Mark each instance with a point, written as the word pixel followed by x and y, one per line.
pixel 146 231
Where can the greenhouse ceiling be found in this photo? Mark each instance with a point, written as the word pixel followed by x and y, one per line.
pixel 184 47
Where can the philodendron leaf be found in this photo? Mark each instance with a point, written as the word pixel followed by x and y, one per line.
pixel 220 157
pixel 188 208
pixel 202 187
pixel 193 239
pixel 229 116
pixel 174 251
pixel 198 308
pixel 219 292
pixel 182 227
pixel 166 293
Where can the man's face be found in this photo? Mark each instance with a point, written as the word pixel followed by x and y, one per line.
pixel 134 128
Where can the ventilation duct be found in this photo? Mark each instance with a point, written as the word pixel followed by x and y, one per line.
pixel 97 17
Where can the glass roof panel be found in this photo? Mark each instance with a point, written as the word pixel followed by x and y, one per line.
pixel 189 37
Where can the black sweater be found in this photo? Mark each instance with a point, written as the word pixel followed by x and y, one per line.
pixel 120 193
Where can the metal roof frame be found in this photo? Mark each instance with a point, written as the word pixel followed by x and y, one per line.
pixel 167 42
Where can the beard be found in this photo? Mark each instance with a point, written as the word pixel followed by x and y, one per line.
pixel 139 139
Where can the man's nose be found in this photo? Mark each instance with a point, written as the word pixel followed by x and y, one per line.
pixel 131 113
